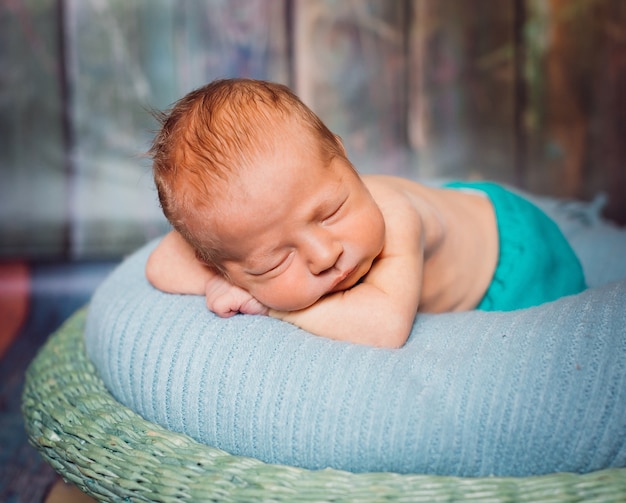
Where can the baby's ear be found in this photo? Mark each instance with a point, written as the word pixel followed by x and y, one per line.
pixel 340 143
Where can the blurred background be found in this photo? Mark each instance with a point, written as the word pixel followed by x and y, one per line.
pixel 527 92
pixel 530 93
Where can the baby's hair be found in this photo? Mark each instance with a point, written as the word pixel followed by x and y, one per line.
pixel 212 132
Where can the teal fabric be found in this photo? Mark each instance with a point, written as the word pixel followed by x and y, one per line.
pixel 518 393
pixel 536 263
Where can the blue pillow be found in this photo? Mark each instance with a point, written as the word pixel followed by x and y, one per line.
pixel 527 392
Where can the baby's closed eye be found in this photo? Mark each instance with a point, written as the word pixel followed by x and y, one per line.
pixel 334 212
pixel 273 268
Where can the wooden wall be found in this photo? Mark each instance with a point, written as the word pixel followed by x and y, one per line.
pixel 526 92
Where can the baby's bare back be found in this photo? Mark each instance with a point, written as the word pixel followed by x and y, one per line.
pixel 460 242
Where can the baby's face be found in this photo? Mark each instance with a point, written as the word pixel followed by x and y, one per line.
pixel 295 229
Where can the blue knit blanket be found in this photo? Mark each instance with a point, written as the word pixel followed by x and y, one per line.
pixel 526 392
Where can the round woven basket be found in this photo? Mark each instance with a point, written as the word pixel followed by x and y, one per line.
pixel 112 454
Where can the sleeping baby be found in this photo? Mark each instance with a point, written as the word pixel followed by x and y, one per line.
pixel 271 218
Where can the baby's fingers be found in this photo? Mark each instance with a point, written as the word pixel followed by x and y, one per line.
pixel 224 306
pixel 253 306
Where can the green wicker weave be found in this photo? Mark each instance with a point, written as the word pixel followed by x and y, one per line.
pixel 112 454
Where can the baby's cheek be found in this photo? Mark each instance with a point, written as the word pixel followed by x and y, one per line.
pixel 288 293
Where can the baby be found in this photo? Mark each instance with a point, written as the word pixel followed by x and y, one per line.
pixel 270 217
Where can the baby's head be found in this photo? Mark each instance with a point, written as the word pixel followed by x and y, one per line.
pixel 239 166
pixel 213 135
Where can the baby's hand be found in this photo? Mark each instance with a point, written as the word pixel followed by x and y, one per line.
pixel 225 299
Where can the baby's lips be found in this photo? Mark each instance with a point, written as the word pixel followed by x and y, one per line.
pixel 342 277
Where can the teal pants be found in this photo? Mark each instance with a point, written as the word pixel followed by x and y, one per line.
pixel 536 263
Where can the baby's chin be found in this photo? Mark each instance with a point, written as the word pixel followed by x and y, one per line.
pixel 345 284
pixel 341 287
pixel 299 306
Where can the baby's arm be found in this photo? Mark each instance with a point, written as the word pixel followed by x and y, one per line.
pixel 381 309
pixel 174 268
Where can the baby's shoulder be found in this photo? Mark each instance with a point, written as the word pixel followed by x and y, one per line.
pixel 391 189
pixel 389 184
pixel 388 191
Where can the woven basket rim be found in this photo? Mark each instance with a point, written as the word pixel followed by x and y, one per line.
pixel 113 454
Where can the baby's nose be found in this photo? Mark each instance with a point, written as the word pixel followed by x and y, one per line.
pixel 323 252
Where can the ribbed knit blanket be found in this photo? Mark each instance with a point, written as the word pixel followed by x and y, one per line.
pixel 526 392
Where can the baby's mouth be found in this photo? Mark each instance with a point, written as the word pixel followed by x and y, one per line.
pixel 343 281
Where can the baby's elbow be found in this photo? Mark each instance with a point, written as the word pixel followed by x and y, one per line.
pixel 153 272
pixel 150 270
pixel 396 339
pixel 394 333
